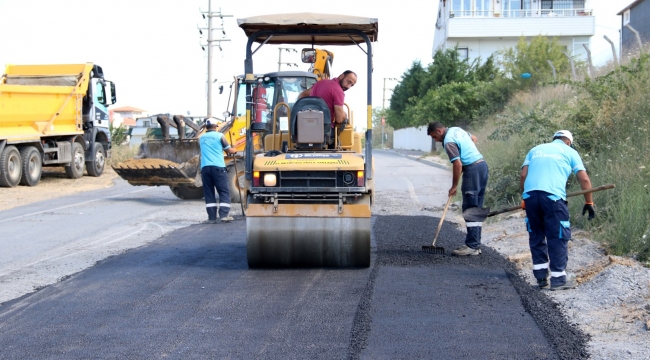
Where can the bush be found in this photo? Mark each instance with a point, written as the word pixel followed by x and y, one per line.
pixel 610 119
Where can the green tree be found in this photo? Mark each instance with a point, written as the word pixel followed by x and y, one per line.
pixel 408 88
pixel 118 134
pixel 532 57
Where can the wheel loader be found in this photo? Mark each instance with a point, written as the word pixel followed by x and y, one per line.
pixel 175 162
pixel 309 193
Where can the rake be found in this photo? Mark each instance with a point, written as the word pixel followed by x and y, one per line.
pixel 433 249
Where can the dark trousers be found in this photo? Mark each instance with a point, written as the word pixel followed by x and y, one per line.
pixel 549 234
pixel 216 177
pixel 475 178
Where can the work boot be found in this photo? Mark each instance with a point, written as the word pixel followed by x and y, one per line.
pixel 543 283
pixel 570 283
pixel 227 219
pixel 210 221
pixel 466 251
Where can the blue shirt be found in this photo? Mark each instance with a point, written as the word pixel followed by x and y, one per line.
pixel 212 146
pixel 549 167
pixel 457 138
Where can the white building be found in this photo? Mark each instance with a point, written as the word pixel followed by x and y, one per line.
pixel 482 27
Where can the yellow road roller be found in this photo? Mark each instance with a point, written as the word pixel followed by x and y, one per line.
pixel 309 193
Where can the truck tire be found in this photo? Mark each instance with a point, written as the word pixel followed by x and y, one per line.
pixel 233 184
pixel 187 192
pixel 96 167
pixel 32 166
pixel 75 169
pixel 10 167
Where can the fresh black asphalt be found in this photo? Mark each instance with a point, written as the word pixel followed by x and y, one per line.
pixel 191 295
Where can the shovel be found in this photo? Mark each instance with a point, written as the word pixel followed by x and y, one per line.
pixel 433 249
pixel 478 214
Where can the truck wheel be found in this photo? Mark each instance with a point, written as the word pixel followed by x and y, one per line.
pixel 32 166
pixel 75 169
pixel 10 167
pixel 96 167
pixel 233 184
pixel 187 192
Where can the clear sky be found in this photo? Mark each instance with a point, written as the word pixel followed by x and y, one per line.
pixel 151 50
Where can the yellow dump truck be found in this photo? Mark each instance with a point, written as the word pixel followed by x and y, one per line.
pixel 53 115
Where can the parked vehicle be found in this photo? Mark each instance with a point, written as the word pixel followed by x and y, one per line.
pixel 53 115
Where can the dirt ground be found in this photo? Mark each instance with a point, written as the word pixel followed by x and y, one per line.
pixel 54 183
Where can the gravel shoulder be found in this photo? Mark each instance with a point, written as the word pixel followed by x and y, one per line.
pixel 612 301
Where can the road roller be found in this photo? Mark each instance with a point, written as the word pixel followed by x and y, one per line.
pixel 309 193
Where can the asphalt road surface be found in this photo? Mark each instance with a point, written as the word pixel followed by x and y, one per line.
pixel 190 294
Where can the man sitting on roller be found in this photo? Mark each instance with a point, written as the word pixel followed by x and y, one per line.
pixel 332 92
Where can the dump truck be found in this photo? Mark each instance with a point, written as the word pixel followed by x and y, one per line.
pixel 309 194
pixel 175 162
pixel 53 115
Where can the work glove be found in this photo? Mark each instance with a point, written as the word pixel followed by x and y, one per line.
pixel 591 209
pixel 523 205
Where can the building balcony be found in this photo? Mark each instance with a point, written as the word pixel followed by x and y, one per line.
pixel 492 24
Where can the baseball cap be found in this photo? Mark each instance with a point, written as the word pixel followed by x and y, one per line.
pixel 565 133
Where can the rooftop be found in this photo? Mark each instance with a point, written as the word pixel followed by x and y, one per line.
pixel 127 109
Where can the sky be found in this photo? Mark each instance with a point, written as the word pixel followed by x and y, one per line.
pixel 152 49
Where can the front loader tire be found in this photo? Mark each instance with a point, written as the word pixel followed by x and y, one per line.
pixel 233 184
pixel 10 167
pixel 187 192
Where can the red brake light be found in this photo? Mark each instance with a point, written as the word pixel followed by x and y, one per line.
pixel 361 180
pixel 256 178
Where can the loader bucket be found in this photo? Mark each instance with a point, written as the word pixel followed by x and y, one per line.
pixel 161 163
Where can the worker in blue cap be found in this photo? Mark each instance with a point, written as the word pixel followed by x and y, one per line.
pixel 214 173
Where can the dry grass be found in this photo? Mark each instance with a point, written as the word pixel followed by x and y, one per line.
pixel 120 153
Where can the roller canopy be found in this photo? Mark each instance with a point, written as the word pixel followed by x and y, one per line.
pixel 307 22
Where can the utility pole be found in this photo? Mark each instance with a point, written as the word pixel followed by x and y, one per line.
pixel 383 107
pixel 212 42
pixel 280 57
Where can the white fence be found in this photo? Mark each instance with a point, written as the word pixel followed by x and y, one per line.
pixel 412 139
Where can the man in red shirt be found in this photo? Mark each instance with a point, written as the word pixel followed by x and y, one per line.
pixel 331 91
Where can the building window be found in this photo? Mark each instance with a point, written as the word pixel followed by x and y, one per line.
pixel 626 17
pixel 463 53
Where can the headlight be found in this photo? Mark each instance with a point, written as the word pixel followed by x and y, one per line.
pixel 270 180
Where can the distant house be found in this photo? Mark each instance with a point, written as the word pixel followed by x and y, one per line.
pixel 482 27
pixel 637 15
pixel 126 116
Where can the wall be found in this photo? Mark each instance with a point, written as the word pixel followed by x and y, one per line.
pixel 412 139
pixel 486 47
pixel 640 21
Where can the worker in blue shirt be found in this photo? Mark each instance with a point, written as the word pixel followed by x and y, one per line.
pixel 460 146
pixel 214 173
pixel 544 175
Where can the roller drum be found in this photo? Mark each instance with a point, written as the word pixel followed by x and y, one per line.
pixel 307 242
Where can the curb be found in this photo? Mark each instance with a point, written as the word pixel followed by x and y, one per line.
pixel 424 161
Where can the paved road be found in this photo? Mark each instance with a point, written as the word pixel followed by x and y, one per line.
pixel 190 294
pixel 48 240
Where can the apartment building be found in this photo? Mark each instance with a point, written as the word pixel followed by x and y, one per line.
pixel 482 27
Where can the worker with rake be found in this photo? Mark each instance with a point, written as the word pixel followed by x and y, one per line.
pixel 214 173
pixel 460 146
pixel 544 174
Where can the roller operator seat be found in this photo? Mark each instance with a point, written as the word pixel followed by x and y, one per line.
pixel 311 123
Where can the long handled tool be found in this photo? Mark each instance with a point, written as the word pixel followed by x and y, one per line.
pixel 477 214
pixel 433 249
pixel 234 161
